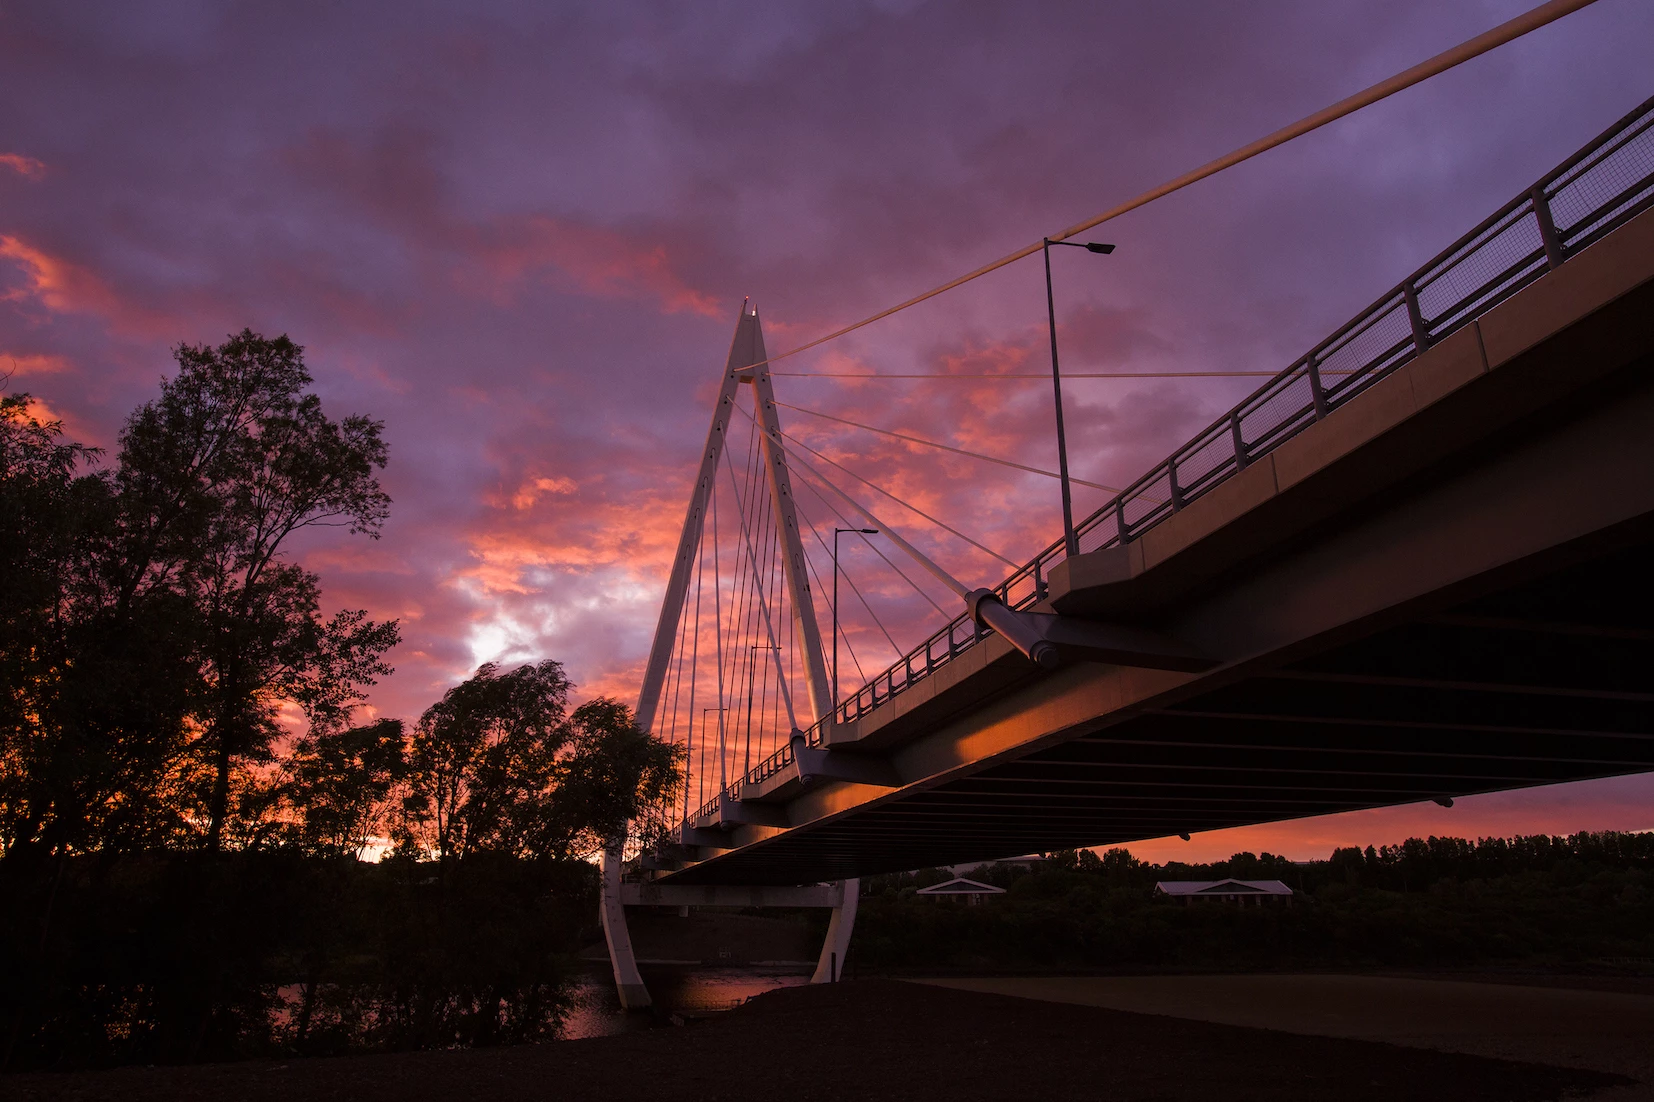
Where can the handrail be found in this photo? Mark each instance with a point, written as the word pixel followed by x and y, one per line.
pixel 1605 184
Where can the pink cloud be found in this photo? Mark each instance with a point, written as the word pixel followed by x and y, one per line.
pixel 597 261
pixel 54 282
pixel 395 177
pixel 26 167
pixel 27 364
pixel 533 489
pixel 63 286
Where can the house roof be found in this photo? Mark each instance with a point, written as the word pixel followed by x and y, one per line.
pixel 1222 887
pixel 959 885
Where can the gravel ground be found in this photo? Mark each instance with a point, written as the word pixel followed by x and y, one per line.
pixel 1557 1020
pixel 867 1039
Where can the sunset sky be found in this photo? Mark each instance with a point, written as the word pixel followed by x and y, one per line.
pixel 519 234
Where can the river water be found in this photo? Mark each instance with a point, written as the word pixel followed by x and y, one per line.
pixel 683 990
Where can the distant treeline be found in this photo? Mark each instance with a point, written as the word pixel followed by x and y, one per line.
pixel 186 793
pixel 1586 900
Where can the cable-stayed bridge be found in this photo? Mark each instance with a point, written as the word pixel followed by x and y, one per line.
pixel 1411 566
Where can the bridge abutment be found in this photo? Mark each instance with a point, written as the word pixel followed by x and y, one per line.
pixel 835 948
pixel 629 985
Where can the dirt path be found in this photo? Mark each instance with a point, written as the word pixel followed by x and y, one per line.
pixel 869 1039
pixel 1602 1030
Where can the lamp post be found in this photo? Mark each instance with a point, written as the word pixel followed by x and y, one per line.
pixel 837 532
pixel 1071 542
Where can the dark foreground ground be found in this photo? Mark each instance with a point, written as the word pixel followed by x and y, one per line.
pixel 872 1039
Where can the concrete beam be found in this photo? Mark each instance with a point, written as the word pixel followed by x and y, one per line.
pixel 835 765
pixel 705 838
pixel 1079 640
pixel 726 895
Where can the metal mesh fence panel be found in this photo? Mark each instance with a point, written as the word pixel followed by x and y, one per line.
pixel 1100 530
pixel 1285 407
pixel 1606 186
pixel 1381 340
pixel 1148 502
pixel 1209 461
pixel 1493 263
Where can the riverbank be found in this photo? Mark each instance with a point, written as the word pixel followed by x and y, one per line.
pixel 868 1039
pixel 1591 1022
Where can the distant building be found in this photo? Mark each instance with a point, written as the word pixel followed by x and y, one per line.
pixel 1028 864
pixel 961 889
pixel 1229 891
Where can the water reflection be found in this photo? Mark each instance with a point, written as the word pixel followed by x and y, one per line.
pixel 688 989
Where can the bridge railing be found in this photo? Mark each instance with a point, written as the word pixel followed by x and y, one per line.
pixel 1603 186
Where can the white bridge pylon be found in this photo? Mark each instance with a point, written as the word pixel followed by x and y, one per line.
pixel 746 366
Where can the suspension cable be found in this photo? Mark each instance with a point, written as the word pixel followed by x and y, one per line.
pixel 677 681
pixel 881 490
pixel 718 637
pixel 861 673
pixel 763 605
pixel 900 573
pixel 771 578
pixel 852 582
pixel 740 608
pixel 1044 376
pixel 766 718
pixel 694 668
pixel 917 555
pixel 1440 63
pixel 948 448
pixel 849 648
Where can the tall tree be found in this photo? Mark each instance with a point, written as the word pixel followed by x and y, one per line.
pixel 498 765
pixel 483 758
pixel 93 704
pixel 151 623
pixel 41 517
pixel 215 477
pixel 612 772
pixel 339 784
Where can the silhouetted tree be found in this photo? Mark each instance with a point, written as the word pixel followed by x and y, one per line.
pixel 94 700
pixel 498 765
pixel 339 783
pixel 150 627
pixel 39 522
pixel 215 476
pixel 612 772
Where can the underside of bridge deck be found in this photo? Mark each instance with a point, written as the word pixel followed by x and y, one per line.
pixel 1541 682
pixel 1544 682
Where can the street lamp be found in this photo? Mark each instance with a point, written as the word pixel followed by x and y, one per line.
pixel 1071 542
pixel 837 532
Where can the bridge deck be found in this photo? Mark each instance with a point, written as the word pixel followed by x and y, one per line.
pixel 1435 590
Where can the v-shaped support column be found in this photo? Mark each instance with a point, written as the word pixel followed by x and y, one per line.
pixel 634 994
pixel 794 565
pixel 745 365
